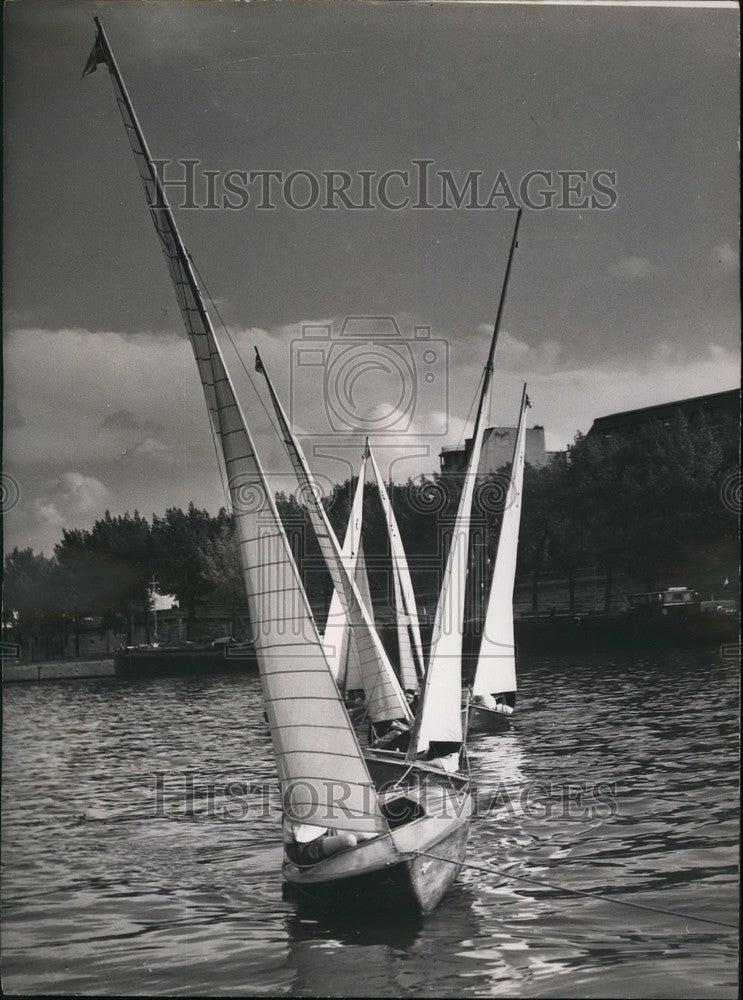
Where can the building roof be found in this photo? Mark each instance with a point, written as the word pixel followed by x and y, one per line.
pixel 727 401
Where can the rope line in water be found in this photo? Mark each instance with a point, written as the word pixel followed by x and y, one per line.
pixel 579 892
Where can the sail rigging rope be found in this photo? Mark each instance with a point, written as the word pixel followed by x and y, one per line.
pixel 475 397
pixel 489 870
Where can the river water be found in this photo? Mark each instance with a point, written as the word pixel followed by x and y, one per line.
pixel 618 777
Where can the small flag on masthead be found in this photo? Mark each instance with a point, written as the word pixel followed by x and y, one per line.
pixel 97 55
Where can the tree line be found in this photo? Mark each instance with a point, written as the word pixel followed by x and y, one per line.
pixel 650 505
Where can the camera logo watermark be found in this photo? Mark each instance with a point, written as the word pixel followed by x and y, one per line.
pixel 369 377
pixel 10 492
pixel 731 492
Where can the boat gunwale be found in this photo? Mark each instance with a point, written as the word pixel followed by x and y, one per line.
pixel 318 872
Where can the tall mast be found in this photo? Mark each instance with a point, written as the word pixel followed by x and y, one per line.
pixel 300 693
pixel 160 210
pixel 439 717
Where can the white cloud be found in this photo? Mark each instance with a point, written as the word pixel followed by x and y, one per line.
pixel 570 399
pixel 72 500
pixel 631 268
pixel 515 355
pixel 128 412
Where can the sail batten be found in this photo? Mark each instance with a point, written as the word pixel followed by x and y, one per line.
pixel 309 770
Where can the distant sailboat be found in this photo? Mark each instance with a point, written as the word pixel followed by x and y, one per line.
pixel 337 637
pixel 493 694
pixel 438 726
pixel 409 643
pixel 410 661
pixel 386 704
pixel 355 828
pixel 342 651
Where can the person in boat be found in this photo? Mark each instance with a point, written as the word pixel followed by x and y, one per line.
pixel 306 844
pixel 411 697
pixel 390 734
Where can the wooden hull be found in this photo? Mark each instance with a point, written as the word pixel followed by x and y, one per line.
pixel 410 868
pixel 483 719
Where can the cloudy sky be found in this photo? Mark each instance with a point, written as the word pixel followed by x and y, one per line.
pixel 607 309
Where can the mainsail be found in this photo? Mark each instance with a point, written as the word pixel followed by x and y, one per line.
pixel 385 700
pixel 439 717
pixel 317 752
pixel 496 663
pixel 409 642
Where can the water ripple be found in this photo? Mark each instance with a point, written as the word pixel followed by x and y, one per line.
pixel 618 777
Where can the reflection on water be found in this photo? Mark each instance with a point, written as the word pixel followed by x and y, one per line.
pixel 618 776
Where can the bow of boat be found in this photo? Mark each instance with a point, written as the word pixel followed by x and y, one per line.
pixel 414 864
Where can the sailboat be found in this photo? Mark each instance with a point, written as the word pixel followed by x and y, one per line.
pixel 342 651
pixel 493 691
pixel 337 636
pixel 439 725
pixel 386 704
pixel 411 663
pixel 355 827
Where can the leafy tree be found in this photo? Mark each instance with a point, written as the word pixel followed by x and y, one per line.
pixel 179 540
pixel 33 597
pixel 109 567
pixel 221 567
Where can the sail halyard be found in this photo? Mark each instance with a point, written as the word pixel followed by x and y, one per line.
pixel 496 661
pixel 412 666
pixel 385 700
pixel 439 717
pixel 302 701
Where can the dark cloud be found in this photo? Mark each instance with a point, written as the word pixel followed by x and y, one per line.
pixel 121 420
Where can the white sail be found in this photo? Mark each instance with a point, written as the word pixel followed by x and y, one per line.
pixel 361 577
pixel 317 753
pixel 384 696
pixel 496 664
pixel 439 716
pixel 406 612
pixel 343 655
pixel 350 677
pixel 406 657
